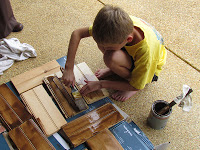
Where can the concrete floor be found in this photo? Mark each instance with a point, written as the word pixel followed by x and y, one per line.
pixel 48 25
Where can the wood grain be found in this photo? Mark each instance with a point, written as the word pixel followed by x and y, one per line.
pixel 65 93
pixel 88 119
pixel 29 136
pixel 65 107
pixel 34 77
pixel 42 107
pixel 78 131
pixel 12 111
pixel 83 72
pixel 104 140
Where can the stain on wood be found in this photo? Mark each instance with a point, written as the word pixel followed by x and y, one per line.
pixel 29 136
pixel 63 97
pixel 78 131
pixel 12 111
pixel 104 140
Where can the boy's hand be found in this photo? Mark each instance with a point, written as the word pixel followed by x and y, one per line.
pixel 68 78
pixel 90 87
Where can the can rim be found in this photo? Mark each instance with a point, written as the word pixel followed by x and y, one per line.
pixel 156 113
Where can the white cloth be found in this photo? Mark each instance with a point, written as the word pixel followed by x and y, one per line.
pixel 11 50
pixel 184 101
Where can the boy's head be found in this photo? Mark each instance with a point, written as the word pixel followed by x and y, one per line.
pixel 112 25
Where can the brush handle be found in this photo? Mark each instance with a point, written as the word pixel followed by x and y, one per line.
pixel 166 108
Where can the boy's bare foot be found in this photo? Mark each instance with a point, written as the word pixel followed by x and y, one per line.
pixel 102 73
pixel 123 95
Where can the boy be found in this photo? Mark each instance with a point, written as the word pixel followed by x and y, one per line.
pixel 131 49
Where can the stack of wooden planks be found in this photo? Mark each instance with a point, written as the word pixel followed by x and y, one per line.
pixel 31 122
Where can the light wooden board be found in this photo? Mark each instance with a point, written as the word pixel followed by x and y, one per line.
pixel 83 72
pixel 41 106
pixel 34 77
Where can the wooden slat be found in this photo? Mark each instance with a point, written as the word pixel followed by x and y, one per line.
pixel 34 77
pixel 20 140
pixel 87 126
pixel 65 93
pixel 83 72
pixel 59 98
pixel 12 111
pixel 88 119
pixel 29 136
pixel 104 140
pixel 42 107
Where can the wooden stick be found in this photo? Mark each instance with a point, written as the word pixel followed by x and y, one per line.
pixel 167 107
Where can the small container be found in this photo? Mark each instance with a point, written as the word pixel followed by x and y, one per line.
pixel 155 120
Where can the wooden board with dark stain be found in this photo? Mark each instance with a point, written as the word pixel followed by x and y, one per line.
pixel 78 131
pixel 67 110
pixel 104 140
pixel 29 136
pixel 12 111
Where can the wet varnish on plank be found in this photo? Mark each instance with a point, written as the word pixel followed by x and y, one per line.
pixel 83 128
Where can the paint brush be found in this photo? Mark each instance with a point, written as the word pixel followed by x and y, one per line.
pixel 175 101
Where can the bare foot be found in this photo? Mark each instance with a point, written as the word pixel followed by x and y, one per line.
pixel 102 73
pixel 123 95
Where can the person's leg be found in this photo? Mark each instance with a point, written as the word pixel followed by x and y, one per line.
pixel 8 22
pixel 120 63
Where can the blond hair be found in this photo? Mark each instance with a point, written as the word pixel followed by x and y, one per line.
pixel 112 25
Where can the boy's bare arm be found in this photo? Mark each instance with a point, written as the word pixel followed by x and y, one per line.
pixel 115 85
pixel 76 36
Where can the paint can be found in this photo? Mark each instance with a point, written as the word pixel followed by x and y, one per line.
pixel 155 120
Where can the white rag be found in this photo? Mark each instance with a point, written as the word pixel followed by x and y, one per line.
pixel 184 101
pixel 11 50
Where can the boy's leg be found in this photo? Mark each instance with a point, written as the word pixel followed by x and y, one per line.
pixel 120 63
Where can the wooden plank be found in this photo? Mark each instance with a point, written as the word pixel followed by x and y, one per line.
pixel 88 119
pixel 29 136
pixel 59 98
pixel 65 93
pixel 87 126
pixel 12 111
pixel 42 107
pixel 34 77
pixel 104 140
pixel 20 140
pixel 83 72
pixel 87 71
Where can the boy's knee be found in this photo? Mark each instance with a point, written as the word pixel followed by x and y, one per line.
pixel 109 57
